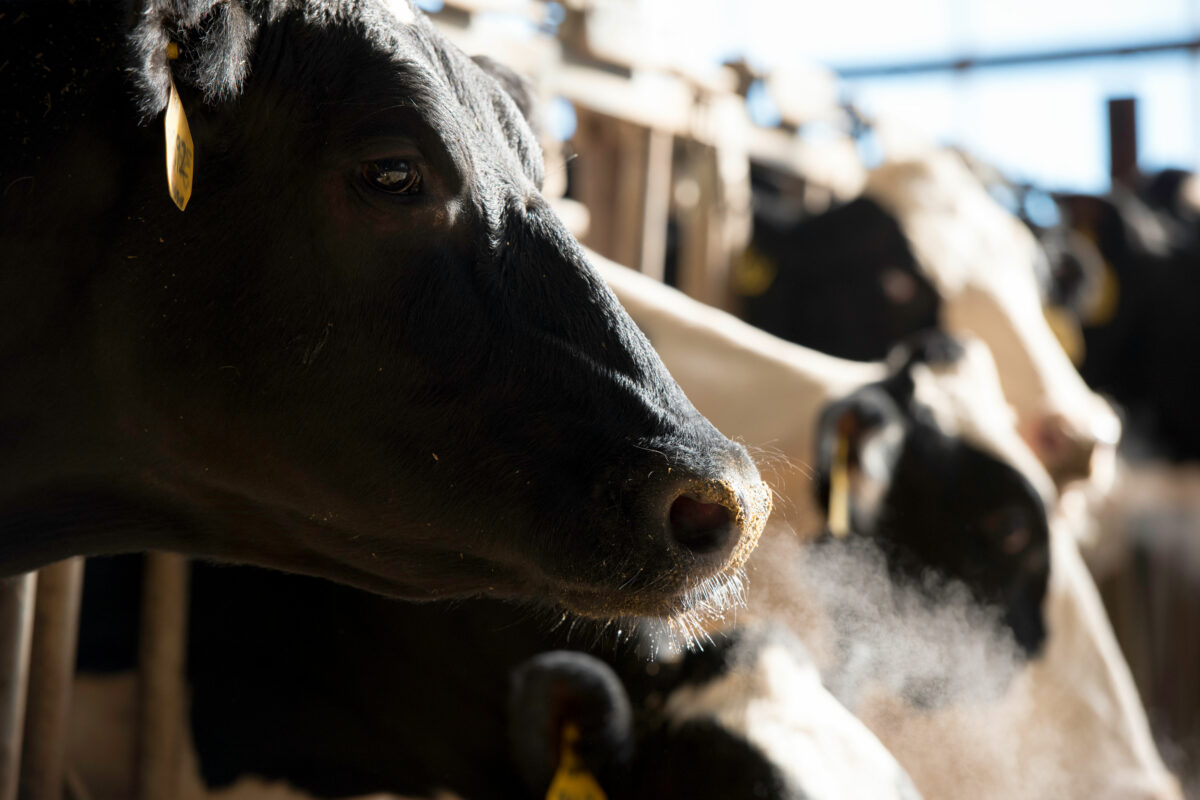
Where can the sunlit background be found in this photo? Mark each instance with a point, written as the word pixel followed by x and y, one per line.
pixel 1043 121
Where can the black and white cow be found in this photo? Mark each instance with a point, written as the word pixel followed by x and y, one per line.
pixel 934 501
pixel 367 350
pixel 746 717
pixel 925 246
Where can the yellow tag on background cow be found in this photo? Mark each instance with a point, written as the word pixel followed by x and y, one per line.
pixel 753 273
pixel 839 488
pixel 1066 329
pixel 181 155
pixel 572 781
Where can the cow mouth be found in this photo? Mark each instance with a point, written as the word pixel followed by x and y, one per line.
pixel 671 618
pixel 675 611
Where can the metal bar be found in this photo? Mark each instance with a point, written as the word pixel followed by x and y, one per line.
pixel 1122 141
pixel 161 688
pixel 52 668
pixel 16 631
pixel 1010 59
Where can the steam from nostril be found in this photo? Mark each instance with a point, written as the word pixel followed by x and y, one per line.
pixel 700 527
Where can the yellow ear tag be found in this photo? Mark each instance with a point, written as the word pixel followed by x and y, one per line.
pixel 181 155
pixel 839 488
pixel 572 781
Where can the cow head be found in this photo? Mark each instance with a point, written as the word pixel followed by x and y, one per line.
pixel 367 349
pixel 936 492
pixel 982 260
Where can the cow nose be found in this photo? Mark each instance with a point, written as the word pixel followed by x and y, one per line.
pixel 715 520
pixel 1069 452
pixel 701 527
pixel 1066 453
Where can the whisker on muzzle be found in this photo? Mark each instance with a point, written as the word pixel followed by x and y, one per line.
pixel 687 626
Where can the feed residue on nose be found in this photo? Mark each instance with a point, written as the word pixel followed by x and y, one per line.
pixel 750 515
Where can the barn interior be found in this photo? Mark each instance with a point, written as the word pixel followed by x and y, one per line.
pixel 780 163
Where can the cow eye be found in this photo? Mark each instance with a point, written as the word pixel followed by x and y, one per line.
pixel 392 175
pixel 1011 530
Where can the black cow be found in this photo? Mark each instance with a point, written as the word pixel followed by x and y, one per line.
pixel 1140 326
pixel 941 503
pixel 367 350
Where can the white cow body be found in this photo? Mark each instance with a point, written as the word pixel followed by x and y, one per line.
pixel 773 698
pixel 1070 725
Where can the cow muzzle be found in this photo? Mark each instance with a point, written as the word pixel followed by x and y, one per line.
pixel 692 530
pixel 716 522
pixel 1073 451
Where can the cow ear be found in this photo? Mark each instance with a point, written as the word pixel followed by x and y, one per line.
pixel 859 440
pixel 564 701
pixel 213 40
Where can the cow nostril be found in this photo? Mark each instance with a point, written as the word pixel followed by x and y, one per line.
pixel 701 527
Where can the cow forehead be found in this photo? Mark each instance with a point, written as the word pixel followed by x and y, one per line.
pixel 960 236
pixel 420 70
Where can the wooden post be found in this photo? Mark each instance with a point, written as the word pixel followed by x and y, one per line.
pixel 16 630
pixel 629 199
pixel 703 271
pixel 1122 141
pixel 594 177
pixel 52 669
pixel 161 688
pixel 660 150
pixel 623 177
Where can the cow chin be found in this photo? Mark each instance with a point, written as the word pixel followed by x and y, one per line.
pixel 669 619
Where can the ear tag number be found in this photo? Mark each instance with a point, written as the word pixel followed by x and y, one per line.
pixel 839 488
pixel 181 154
pixel 572 781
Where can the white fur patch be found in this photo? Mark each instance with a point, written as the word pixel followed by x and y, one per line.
pixel 777 703
pixel 403 11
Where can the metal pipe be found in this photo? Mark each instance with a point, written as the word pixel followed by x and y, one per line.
pixel 1010 59
pixel 1122 141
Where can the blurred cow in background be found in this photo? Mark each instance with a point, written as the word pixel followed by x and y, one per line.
pixel 925 246
pixel 1076 699
pixel 1142 316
